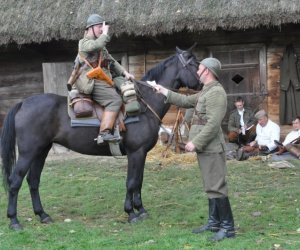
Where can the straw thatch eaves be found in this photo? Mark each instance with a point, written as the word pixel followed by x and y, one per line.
pixel 27 21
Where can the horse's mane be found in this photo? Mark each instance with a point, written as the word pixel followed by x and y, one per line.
pixel 155 73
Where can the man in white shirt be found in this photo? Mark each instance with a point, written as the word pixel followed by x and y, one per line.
pixel 267 132
pixel 290 148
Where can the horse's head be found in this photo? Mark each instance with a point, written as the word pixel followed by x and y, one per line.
pixel 187 69
pixel 179 70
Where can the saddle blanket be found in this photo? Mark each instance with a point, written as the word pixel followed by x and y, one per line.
pixel 85 122
pixel 94 122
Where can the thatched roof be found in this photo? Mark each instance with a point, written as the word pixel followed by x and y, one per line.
pixel 27 21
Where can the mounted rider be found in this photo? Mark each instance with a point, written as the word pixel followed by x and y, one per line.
pixel 100 76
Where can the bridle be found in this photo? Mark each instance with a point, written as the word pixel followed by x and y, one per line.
pixel 186 63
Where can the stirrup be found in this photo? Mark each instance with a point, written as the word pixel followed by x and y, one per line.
pixel 107 136
pixel 99 139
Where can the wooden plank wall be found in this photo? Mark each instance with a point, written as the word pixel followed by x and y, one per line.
pixel 18 79
pixel 56 83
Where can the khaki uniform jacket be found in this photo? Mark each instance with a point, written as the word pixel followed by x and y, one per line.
pixel 234 119
pixel 210 106
pixel 90 48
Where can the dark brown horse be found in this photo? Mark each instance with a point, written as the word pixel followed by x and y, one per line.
pixel 41 120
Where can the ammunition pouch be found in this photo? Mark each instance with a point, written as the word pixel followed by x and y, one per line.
pixel 132 106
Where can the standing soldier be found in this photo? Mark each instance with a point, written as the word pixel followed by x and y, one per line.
pixel 94 58
pixel 206 138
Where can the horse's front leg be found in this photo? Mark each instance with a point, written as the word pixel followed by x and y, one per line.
pixel 135 174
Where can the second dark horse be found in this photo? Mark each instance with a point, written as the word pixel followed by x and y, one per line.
pixel 41 120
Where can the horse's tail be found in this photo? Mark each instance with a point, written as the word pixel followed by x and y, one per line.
pixel 8 144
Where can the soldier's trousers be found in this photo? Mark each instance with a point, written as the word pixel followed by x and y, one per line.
pixel 107 96
pixel 213 168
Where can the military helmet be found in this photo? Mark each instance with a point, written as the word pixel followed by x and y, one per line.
pixel 213 64
pixel 94 19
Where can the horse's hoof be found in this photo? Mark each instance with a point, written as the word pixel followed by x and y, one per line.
pixel 133 218
pixel 47 220
pixel 16 227
pixel 143 215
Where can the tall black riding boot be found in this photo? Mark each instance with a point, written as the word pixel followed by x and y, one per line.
pixel 226 218
pixel 213 219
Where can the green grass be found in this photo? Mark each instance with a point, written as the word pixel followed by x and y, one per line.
pixel 91 192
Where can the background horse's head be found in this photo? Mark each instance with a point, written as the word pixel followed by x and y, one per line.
pixel 179 70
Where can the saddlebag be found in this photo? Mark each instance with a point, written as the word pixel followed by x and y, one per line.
pixel 82 105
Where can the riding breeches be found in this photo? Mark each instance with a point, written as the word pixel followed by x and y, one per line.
pixel 106 96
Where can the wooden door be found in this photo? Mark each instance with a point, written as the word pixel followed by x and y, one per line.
pixel 243 74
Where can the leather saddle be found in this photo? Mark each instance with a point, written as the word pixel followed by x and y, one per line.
pixel 93 119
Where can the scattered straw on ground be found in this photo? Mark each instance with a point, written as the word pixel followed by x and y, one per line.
pixel 159 154
pixel 166 157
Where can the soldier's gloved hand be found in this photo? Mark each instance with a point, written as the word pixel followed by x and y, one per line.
pixel 128 75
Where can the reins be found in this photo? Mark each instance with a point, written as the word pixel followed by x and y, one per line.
pixel 140 96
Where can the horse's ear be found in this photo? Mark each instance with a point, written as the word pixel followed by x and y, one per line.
pixel 191 48
pixel 179 51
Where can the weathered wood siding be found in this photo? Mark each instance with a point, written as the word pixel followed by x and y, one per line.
pixel 56 82
pixel 21 70
pixel 20 77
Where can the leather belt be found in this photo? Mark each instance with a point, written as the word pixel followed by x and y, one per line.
pixel 199 121
pixel 104 64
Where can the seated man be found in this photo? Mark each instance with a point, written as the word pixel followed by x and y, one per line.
pixel 241 124
pixel 290 148
pixel 266 133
